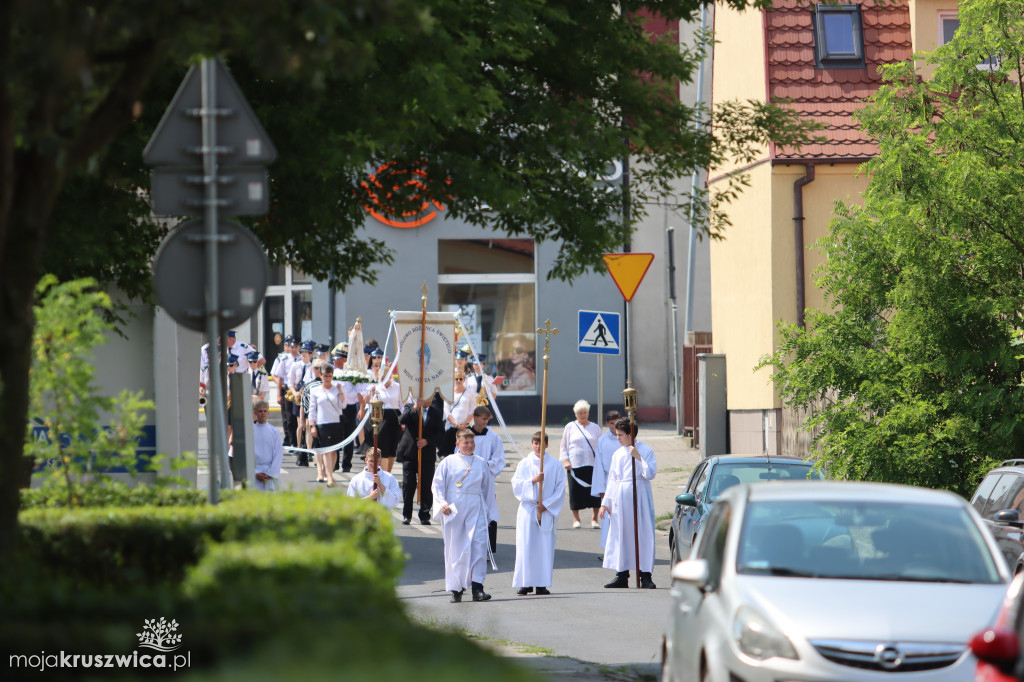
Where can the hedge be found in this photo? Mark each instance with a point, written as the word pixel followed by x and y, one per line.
pixel 263 587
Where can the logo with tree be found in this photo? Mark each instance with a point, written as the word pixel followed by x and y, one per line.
pixel 159 635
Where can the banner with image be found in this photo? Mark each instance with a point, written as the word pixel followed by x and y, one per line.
pixel 438 358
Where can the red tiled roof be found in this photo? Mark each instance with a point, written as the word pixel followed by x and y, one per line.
pixel 830 96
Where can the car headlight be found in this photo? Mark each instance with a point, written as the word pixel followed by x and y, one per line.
pixel 758 638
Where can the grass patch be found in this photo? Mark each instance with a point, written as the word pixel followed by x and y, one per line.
pixel 672 470
pixel 663 521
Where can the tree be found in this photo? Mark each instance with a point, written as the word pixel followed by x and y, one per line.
pixel 913 375
pixel 506 111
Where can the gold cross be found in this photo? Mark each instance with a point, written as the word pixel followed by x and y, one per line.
pixel 547 330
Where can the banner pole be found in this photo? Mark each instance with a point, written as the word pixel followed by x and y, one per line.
pixel 547 330
pixel 419 437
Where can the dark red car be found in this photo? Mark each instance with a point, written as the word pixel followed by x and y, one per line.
pixel 998 649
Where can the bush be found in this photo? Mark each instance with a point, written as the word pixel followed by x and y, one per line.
pixel 262 586
pixel 121 546
pixel 115 494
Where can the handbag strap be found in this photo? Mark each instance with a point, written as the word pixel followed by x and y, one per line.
pixel 585 438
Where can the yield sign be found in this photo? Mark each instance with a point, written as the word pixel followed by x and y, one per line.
pixel 628 270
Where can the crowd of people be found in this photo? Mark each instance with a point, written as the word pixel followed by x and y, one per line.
pixel 460 457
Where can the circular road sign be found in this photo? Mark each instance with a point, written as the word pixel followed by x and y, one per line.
pixel 179 274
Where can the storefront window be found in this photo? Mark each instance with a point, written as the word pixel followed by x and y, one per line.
pixel 493 284
pixel 302 314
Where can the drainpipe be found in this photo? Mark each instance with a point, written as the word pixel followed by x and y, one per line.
pixel 798 225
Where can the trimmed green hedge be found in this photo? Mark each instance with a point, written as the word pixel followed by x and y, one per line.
pixel 263 587
pixel 126 546
pixel 114 494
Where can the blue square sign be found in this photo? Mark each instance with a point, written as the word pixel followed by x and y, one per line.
pixel 599 332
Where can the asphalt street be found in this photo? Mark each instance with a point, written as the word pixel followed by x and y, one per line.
pixel 581 619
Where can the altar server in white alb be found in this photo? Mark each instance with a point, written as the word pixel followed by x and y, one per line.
pixel 374 483
pixel 463 491
pixel 267 448
pixel 491 449
pixel 617 505
pixel 535 538
pixel 607 444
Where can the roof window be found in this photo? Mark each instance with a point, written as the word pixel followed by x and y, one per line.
pixel 838 38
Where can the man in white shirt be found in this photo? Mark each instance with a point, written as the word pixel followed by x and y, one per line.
pixel 267 449
pixel 280 371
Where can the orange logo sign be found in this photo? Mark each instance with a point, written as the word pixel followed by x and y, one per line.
pixel 388 181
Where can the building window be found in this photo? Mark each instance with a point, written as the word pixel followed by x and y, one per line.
pixel 838 38
pixel 949 24
pixel 287 310
pixel 493 283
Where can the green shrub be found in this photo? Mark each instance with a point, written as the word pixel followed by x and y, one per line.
pixel 115 494
pixel 123 546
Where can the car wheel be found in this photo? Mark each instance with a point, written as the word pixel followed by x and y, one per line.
pixel 672 541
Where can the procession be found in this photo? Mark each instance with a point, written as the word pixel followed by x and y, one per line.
pixel 433 414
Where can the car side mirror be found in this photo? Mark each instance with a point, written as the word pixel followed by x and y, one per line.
pixel 686 499
pixel 692 572
pixel 997 646
pixel 1011 516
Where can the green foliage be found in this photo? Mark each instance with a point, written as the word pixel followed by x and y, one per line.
pixel 79 450
pixel 154 545
pixel 115 494
pixel 476 100
pixel 912 374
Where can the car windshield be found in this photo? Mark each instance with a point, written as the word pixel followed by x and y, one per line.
pixel 726 475
pixel 864 541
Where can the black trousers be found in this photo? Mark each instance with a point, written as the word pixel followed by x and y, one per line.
pixel 348 423
pixel 409 478
pixel 290 423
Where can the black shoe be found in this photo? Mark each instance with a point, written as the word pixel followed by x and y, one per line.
pixel 542 591
pixel 424 522
pixel 600 557
pixel 406 521
pixel 478 592
pixel 523 591
pixel 646 583
pixel 621 580
pixel 346 470
pixel 456 597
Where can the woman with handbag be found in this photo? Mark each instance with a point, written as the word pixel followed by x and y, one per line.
pixel 576 452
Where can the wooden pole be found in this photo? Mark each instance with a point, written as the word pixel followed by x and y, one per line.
pixel 419 436
pixel 376 418
pixel 547 330
pixel 630 400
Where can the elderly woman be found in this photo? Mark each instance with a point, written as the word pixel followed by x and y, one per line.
pixel 576 452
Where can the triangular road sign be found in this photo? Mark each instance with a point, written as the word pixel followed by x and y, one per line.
pixel 181 129
pixel 628 270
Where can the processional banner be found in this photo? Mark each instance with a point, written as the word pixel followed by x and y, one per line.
pixel 437 339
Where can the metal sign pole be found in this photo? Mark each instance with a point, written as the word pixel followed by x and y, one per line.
pixel 600 390
pixel 216 431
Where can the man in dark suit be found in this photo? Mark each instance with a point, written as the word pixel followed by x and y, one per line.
pixel 433 428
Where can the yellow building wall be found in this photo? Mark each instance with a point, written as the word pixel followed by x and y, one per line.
pixel 753 270
pixel 741 293
pixel 924 27
pixel 738 65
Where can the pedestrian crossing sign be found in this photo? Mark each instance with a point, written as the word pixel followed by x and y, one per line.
pixel 599 332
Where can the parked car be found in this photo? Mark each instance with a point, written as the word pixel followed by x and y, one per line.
pixel 832 581
pixel 1000 501
pixel 998 648
pixel 712 477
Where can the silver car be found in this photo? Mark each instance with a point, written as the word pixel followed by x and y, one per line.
pixel 833 581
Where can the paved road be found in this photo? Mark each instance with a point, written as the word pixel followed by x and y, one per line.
pixel 581 619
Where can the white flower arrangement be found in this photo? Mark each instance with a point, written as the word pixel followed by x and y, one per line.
pixel 353 376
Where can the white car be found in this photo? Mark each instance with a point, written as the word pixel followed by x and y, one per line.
pixel 822 581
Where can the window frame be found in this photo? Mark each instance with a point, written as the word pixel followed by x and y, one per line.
pixel 823 59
